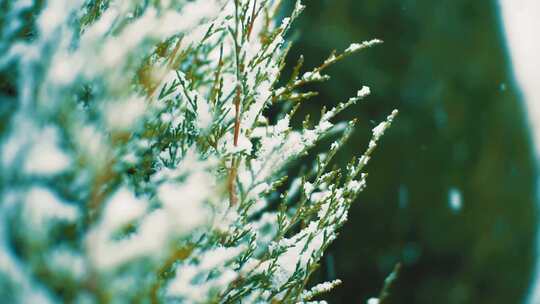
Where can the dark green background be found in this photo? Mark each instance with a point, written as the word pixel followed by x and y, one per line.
pixel 445 66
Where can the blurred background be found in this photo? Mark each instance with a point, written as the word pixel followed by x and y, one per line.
pixel 451 187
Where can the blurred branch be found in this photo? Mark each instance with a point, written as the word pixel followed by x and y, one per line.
pixel 388 283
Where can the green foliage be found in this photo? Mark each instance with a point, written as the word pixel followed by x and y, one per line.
pixel 142 165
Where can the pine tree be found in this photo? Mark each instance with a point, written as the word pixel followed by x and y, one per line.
pixel 142 163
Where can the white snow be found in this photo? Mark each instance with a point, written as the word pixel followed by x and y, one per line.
pixel 122 208
pixel 45 157
pixel 358 46
pixel 365 91
pixel 319 289
pixel 42 206
pixel 308 188
pixel 378 131
pixel 122 115
pixel 455 200
pixel 184 202
pixel 373 301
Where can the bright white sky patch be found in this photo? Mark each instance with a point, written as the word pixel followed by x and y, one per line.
pixel 521 23
pixel 521 19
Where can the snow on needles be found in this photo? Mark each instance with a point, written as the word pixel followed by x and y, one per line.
pixel 141 165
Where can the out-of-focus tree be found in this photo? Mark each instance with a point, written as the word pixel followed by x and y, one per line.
pixel 459 211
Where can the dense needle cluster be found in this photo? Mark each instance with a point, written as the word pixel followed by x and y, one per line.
pixel 141 164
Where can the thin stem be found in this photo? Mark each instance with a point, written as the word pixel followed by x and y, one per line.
pixel 252 21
